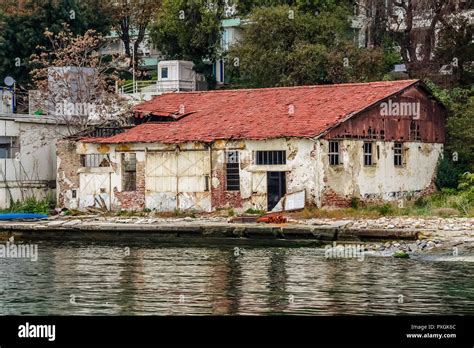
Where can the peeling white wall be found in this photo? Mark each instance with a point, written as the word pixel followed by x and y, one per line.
pixel 172 184
pixel 33 171
pixel 383 180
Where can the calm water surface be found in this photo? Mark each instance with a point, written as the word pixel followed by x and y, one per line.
pixel 101 279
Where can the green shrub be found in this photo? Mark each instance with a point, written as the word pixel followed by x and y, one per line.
pixel 355 202
pixel 448 173
pixel 384 209
pixel 32 205
pixel 421 202
pixel 401 254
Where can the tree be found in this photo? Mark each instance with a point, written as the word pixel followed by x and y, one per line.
pixel 130 20
pixel 282 47
pixel 244 7
pixel 23 23
pixel 456 48
pixel 76 84
pixel 460 123
pixel 188 30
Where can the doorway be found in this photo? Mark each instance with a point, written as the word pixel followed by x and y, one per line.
pixel 276 188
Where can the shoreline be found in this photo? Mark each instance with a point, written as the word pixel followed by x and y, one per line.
pixel 381 237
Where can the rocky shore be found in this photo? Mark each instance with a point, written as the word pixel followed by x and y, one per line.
pixel 451 238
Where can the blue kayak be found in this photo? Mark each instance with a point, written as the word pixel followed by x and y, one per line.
pixel 14 216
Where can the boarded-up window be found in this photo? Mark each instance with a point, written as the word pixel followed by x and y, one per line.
pixel 129 171
pixel 270 157
pixel 334 158
pixel 368 157
pixel 398 154
pixel 415 131
pixel 95 160
pixel 232 171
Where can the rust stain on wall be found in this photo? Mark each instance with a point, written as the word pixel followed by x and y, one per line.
pixel 103 148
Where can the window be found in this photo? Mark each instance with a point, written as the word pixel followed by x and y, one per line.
pixel 164 73
pixel 129 171
pixel 9 146
pixel 398 154
pixel 415 131
pixel 368 154
pixel 95 160
pixel 271 157
pixel 334 153
pixel 232 171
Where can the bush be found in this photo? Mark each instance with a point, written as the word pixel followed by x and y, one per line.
pixel 384 209
pixel 421 202
pixel 448 173
pixel 355 201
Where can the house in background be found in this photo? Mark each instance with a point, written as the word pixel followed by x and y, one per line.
pixel 231 34
pixel 173 76
pixel 254 148
pixel 27 157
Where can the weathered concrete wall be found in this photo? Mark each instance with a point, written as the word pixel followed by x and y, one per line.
pixel 67 180
pixel 381 181
pixel 189 178
pixel 32 171
pixel 193 176
pixel 300 171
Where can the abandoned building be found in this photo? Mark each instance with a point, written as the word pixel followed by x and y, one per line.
pixel 270 149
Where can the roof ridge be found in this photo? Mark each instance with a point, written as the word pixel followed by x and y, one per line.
pixel 381 83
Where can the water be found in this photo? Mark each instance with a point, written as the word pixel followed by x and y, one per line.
pixel 80 279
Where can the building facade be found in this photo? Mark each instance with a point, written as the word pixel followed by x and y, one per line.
pixel 264 149
pixel 27 157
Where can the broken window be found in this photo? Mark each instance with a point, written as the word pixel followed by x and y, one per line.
pixel 95 160
pixel 334 153
pixel 271 157
pixel 129 171
pixel 368 161
pixel 9 146
pixel 415 131
pixel 232 171
pixel 398 154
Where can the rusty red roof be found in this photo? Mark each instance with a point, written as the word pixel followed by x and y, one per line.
pixel 264 113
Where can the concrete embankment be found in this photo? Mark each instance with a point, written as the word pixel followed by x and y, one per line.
pixel 197 232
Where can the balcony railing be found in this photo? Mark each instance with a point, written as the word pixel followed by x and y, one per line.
pixel 151 86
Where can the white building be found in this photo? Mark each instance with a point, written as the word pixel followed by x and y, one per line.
pixel 231 34
pixel 27 157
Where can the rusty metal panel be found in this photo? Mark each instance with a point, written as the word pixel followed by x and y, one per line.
pixel 373 124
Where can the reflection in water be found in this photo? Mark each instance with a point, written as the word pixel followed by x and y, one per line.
pixel 71 278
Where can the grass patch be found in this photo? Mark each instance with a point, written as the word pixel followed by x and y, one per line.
pixel 255 211
pixel 31 205
pixel 446 203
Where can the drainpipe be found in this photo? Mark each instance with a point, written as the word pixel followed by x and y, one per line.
pixel 177 177
pixel 210 173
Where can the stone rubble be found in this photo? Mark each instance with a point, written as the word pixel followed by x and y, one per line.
pixel 428 223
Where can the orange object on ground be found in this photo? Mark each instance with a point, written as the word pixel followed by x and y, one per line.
pixel 273 219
